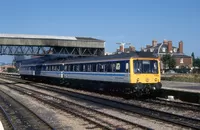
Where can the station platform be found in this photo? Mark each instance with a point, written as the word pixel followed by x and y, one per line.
pixel 181 86
pixel 184 91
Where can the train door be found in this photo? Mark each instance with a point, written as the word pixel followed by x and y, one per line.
pixel 62 71
pixel 38 70
pixel 33 70
pixel 127 69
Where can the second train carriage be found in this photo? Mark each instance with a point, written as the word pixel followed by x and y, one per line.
pixel 132 71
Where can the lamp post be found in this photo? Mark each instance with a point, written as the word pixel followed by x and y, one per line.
pixel 161 65
pixel 159 48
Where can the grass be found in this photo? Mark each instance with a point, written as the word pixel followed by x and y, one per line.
pixel 184 78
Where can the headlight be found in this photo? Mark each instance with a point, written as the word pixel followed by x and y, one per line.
pixel 147 80
pixel 138 79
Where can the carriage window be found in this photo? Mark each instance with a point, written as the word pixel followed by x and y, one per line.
pixel 109 67
pixel 84 68
pixel 57 68
pixel 80 67
pixel 65 67
pixel 101 67
pixel 113 67
pixel 73 67
pixel 77 67
pixel 93 67
pixel 97 68
pixel 69 68
pixel 89 68
pixel 42 68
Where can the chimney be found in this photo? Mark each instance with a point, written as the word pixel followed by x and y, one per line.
pixel 131 48
pixel 154 43
pixel 165 42
pixel 169 47
pixel 121 48
pixel 181 47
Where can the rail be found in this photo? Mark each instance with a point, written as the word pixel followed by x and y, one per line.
pixel 7 118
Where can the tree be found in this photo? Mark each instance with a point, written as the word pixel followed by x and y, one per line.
pixel 11 70
pixel 168 61
pixel 197 62
pixel 172 63
pixel 193 59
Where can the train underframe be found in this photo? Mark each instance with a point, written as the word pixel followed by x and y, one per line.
pixel 137 89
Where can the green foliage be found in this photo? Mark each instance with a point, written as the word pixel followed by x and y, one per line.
pixel 168 61
pixel 197 62
pixel 193 55
pixel 193 58
pixel 172 63
pixel 11 70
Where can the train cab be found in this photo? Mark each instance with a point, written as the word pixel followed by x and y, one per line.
pixel 145 73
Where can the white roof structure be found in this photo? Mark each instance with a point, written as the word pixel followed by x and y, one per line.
pixel 26 36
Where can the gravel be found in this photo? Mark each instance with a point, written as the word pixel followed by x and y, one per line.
pixel 125 115
pixel 58 119
pixel 62 115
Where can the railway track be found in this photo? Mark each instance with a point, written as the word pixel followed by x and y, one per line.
pixel 168 117
pixel 20 116
pixel 182 105
pixel 160 115
pixel 5 119
pixel 92 115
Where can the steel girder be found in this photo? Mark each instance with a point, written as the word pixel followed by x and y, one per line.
pixel 41 50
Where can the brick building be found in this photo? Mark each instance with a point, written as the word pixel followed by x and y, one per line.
pixel 167 48
pixel 121 49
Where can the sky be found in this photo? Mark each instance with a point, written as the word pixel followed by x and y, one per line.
pixel 135 21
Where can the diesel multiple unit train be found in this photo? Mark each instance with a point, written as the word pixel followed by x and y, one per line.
pixel 130 72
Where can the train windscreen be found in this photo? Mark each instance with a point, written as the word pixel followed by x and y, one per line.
pixel 145 66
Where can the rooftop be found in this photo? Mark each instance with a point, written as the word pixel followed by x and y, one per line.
pixel 46 40
pixel 27 36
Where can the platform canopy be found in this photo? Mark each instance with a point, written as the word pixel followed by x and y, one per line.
pixel 23 44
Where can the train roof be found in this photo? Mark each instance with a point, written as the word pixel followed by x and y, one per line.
pixel 66 59
pixel 106 57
